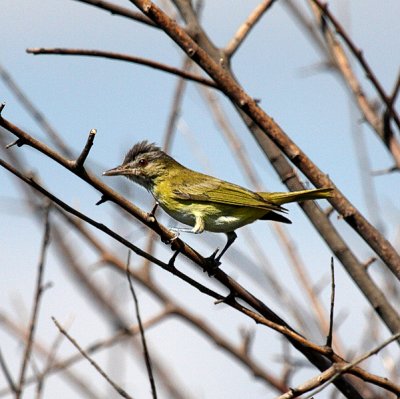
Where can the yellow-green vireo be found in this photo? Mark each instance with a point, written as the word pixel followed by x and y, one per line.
pixel 201 201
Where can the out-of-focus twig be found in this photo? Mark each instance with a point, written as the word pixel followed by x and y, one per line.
pixel 7 374
pixel 343 65
pixel 360 57
pixel 36 304
pixel 38 116
pixel 117 388
pixel 141 330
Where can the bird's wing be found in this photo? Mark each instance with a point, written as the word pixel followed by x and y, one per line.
pixel 204 188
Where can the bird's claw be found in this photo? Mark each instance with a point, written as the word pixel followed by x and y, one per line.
pixel 213 263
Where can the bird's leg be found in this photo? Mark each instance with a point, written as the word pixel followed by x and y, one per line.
pixel 217 260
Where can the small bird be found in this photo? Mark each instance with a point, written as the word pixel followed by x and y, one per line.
pixel 201 201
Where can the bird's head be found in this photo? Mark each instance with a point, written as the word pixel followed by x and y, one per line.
pixel 144 163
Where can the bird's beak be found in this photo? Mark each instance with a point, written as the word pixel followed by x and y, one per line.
pixel 119 170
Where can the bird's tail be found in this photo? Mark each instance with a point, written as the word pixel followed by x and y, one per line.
pixel 297 196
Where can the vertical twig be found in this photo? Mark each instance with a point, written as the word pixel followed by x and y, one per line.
pixel 331 313
pixel 35 311
pixel 142 336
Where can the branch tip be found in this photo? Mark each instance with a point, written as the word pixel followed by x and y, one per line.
pixel 78 164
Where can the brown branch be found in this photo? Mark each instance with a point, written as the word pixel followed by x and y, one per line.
pixel 125 57
pixel 117 388
pixel 338 245
pixel 35 311
pixel 250 107
pixel 247 26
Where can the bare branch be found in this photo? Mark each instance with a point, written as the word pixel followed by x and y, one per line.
pixel 127 58
pixel 247 26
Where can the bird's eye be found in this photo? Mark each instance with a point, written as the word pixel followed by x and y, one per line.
pixel 142 162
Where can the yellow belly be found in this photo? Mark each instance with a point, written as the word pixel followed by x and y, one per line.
pixel 218 218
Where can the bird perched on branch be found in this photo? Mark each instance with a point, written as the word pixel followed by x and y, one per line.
pixel 201 201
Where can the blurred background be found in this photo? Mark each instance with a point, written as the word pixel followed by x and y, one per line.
pixel 280 65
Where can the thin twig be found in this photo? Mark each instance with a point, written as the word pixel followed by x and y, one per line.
pixel 35 311
pixel 78 164
pixel 115 9
pixel 142 335
pixel 331 312
pixel 117 388
pixel 247 26
pixel 127 58
pixel 339 370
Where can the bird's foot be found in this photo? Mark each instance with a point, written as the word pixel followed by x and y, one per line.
pixel 213 263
